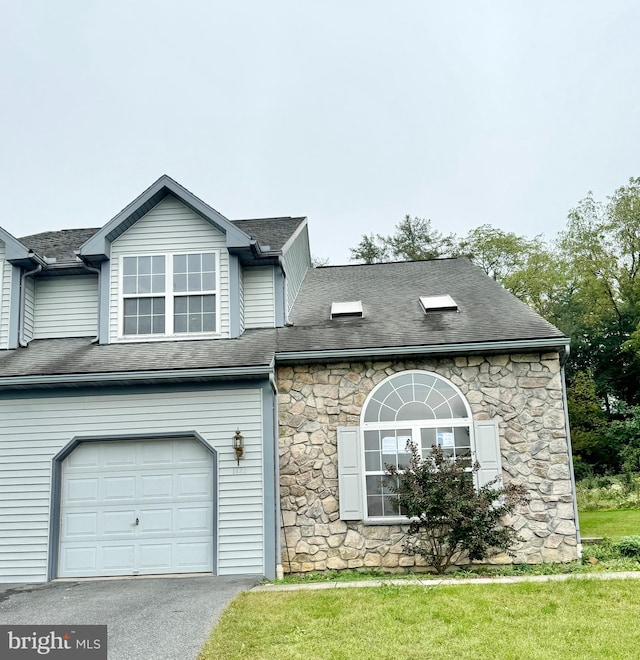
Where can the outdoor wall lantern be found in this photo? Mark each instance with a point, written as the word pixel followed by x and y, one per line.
pixel 238 445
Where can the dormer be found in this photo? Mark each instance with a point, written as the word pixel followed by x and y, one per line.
pixel 174 268
pixel 168 267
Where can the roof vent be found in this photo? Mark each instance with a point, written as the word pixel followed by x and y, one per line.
pixel 438 303
pixel 341 309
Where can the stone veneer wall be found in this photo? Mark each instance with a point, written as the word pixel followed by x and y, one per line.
pixel 522 391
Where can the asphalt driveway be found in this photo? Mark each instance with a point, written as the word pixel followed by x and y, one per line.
pixel 147 618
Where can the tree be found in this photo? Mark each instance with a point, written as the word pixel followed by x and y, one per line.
pixel 499 253
pixel 319 262
pixel 528 267
pixel 450 519
pixel 414 239
pixel 601 247
pixel 371 249
pixel 588 424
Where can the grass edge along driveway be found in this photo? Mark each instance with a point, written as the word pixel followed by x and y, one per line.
pixel 576 618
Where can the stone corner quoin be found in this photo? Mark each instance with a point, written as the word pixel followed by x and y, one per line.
pixel 522 391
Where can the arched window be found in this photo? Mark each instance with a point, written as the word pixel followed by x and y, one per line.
pixel 411 406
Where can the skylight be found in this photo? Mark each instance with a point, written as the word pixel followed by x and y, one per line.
pixel 438 303
pixel 352 308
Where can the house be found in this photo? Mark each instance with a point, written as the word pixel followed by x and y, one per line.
pixel 182 393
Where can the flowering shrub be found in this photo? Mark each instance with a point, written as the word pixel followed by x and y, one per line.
pixel 451 519
pixel 619 492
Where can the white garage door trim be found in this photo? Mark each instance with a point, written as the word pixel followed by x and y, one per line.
pixel 56 535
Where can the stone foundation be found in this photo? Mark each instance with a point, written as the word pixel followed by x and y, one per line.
pixel 523 392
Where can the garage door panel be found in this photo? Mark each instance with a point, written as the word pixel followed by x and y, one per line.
pixel 82 560
pixel 121 482
pixel 118 557
pixel 156 558
pixel 119 488
pixel 156 455
pixel 80 524
pixel 192 455
pixel 193 555
pixel 156 520
pixel 193 519
pixel 118 454
pixel 82 489
pixel 156 486
pixel 120 523
pixel 193 484
pixel 88 458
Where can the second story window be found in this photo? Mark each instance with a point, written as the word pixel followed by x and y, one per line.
pixel 164 295
pixel 194 274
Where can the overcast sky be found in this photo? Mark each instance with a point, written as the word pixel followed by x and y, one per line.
pixel 350 112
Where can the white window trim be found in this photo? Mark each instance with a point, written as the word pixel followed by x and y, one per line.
pixel 168 295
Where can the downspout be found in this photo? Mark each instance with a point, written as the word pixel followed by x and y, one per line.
pixel 279 520
pixel 98 272
pixel 569 449
pixel 23 298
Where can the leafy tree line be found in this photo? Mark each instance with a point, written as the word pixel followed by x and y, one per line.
pixel 586 281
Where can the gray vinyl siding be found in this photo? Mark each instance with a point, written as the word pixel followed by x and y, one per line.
pixel 29 307
pixel 66 307
pixel 259 298
pixel 34 430
pixel 296 261
pixel 5 297
pixel 170 227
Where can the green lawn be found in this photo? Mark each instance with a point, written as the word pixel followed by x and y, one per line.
pixel 528 621
pixel 614 523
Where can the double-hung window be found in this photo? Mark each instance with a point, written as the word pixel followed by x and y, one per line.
pixel 169 295
pixel 194 289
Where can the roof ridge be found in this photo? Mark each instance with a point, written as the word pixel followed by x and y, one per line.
pixel 389 263
pixel 273 217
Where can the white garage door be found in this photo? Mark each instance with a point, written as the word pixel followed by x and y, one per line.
pixel 136 507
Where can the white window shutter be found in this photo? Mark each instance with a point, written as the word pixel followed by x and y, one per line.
pixel 487 440
pixel 350 493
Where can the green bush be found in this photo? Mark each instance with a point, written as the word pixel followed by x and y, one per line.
pixel 581 469
pixel 609 492
pixel 629 546
pixel 603 551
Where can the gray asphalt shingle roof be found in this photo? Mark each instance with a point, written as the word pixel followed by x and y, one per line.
pixel 274 232
pixel 393 315
pixel 61 245
pixel 392 318
pixel 58 245
pixel 80 356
